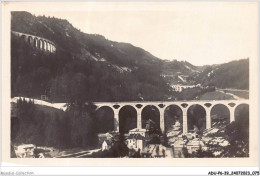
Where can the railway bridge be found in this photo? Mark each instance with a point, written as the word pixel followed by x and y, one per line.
pixel 37 42
pixel 162 105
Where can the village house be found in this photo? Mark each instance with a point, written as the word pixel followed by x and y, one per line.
pixel 194 146
pixel 206 140
pixel 106 145
pixel 157 151
pixel 219 141
pixel 140 131
pixel 176 88
pixel 179 88
pixel 25 151
pixel 171 140
pixel 177 148
pixel 136 141
pixel 175 131
pixel 104 136
pixel 192 135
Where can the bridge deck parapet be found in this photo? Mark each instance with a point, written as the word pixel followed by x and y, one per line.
pixel 172 102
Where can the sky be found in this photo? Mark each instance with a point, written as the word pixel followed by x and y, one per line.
pixel 200 33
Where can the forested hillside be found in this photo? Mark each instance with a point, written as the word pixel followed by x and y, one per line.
pixel 233 74
pixel 85 67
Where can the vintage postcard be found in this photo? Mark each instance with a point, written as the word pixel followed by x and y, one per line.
pixel 130 83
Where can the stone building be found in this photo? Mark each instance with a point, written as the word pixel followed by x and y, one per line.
pixel 136 141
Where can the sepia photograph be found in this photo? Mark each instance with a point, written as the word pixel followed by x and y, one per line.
pixel 129 80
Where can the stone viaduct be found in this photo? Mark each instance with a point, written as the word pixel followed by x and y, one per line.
pixel 37 42
pixel 162 105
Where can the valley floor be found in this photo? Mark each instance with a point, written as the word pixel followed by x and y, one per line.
pixel 225 94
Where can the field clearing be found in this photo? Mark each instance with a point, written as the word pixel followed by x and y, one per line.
pixel 215 95
pixel 239 93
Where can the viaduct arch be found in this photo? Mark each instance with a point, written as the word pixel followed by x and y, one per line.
pixel 127 118
pixel 37 42
pixel 162 105
pixel 196 114
pixel 172 113
pixel 220 110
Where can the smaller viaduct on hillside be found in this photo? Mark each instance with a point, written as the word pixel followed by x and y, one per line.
pixel 162 105
pixel 37 42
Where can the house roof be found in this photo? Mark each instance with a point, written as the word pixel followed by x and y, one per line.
pixel 195 143
pixel 136 136
pixel 138 130
pixel 179 143
pixel 105 135
pixel 191 134
pixel 206 139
